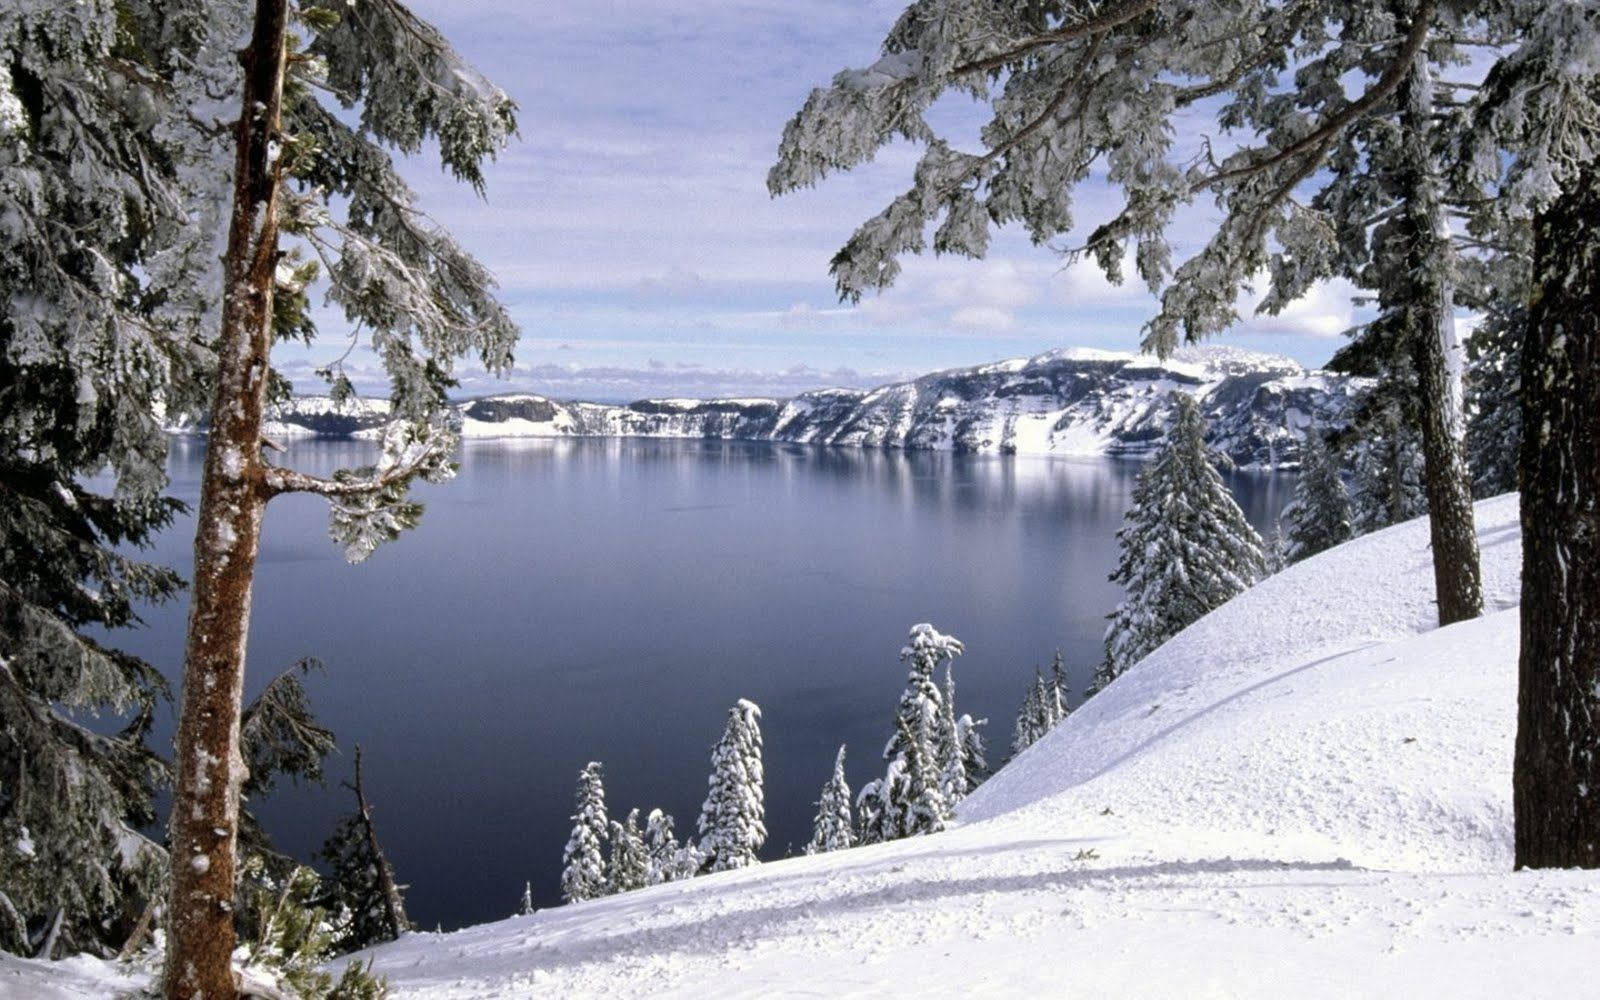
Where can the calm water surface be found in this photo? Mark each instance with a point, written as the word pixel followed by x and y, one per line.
pixel 609 599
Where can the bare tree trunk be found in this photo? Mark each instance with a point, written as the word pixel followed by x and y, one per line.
pixel 210 769
pixel 1426 296
pixel 1556 775
pixel 394 907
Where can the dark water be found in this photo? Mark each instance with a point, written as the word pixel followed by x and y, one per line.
pixel 608 600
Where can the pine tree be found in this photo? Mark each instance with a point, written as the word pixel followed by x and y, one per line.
pixel 583 867
pixel 1319 516
pixel 88 354
pixel 974 752
pixel 909 801
pixel 325 179
pixel 525 907
pixel 732 820
pixel 1026 730
pixel 1059 690
pixel 361 884
pixel 669 860
pixel 953 780
pixel 1330 183
pixel 1186 550
pixel 832 829
pixel 1385 460
pixel 628 866
pixel 1494 398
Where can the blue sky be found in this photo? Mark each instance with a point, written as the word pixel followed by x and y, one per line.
pixel 636 245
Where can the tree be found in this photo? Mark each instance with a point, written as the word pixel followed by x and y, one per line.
pixel 733 818
pixel 1494 390
pixel 1385 461
pixel 1059 690
pixel 1539 103
pixel 525 907
pixel 1186 549
pixel 362 883
pixel 1026 730
pixel 583 865
pixel 1079 91
pixel 424 302
pixel 974 752
pixel 1319 516
pixel 832 829
pixel 88 353
pixel 628 867
pixel 669 860
pixel 910 797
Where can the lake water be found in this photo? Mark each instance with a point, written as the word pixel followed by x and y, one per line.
pixel 610 599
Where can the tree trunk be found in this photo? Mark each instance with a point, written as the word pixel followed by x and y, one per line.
pixel 1427 301
pixel 394 907
pixel 1556 776
pixel 210 769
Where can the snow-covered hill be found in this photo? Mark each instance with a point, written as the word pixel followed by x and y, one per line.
pixel 1307 794
pixel 1069 402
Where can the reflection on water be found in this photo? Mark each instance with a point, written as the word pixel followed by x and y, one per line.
pixel 608 599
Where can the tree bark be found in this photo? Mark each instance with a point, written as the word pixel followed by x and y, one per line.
pixel 1556 774
pixel 210 769
pixel 1426 298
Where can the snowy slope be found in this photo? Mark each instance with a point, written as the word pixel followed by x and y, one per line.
pixel 1305 794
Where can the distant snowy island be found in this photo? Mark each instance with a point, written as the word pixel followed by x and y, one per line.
pixel 1076 401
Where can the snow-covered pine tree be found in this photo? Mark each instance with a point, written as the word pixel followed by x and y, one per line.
pixel 1539 103
pixel 628 865
pixel 88 355
pixel 1319 516
pixel 954 781
pixel 733 818
pixel 1059 690
pixel 525 907
pixel 1097 91
pixel 1026 729
pixel 322 177
pixel 905 798
pixel 361 883
pixel 1494 398
pixel 583 863
pixel 872 803
pixel 832 829
pixel 974 751
pixel 669 860
pixel 1385 460
pixel 1186 548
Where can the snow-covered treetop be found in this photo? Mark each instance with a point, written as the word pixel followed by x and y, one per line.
pixel 928 646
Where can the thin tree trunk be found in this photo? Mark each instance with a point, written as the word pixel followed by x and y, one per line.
pixel 210 769
pixel 1428 304
pixel 394 907
pixel 1556 775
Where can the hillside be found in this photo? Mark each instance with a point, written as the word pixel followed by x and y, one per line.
pixel 1306 793
pixel 1067 402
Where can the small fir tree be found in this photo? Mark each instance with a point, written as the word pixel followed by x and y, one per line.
pixel 831 830
pixel 361 885
pixel 525 907
pixel 628 867
pixel 732 820
pixel 669 860
pixel 1059 690
pixel 1026 729
pixel 1319 517
pixel 1186 550
pixel 583 866
pixel 974 752
pixel 907 797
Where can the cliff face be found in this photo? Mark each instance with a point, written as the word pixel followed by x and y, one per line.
pixel 1071 402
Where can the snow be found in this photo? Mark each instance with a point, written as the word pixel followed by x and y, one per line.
pixel 1305 793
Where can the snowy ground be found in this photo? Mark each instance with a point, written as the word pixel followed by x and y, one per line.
pixel 1305 794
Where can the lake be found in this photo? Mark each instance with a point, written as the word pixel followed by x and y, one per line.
pixel 567 601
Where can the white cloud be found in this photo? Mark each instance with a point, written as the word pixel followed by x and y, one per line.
pixel 989 319
pixel 1324 311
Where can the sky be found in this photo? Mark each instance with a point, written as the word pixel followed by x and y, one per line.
pixel 636 246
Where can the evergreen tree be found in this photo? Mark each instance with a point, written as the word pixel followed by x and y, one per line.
pixel 1186 550
pixel 1386 472
pixel 323 177
pixel 871 807
pixel 732 820
pixel 628 866
pixel 361 884
pixel 525 907
pixel 974 752
pixel 832 830
pixel 583 867
pixel 669 860
pixel 1059 690
pixel 1319 516
pixel 909 800
pixel 954 782
pixel 1494 398
pixel 92 205
pixel 1026 730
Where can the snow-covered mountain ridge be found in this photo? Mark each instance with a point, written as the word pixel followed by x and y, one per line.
pixel 1076 401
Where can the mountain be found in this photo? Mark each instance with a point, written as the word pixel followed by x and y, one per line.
pixel 1069 402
